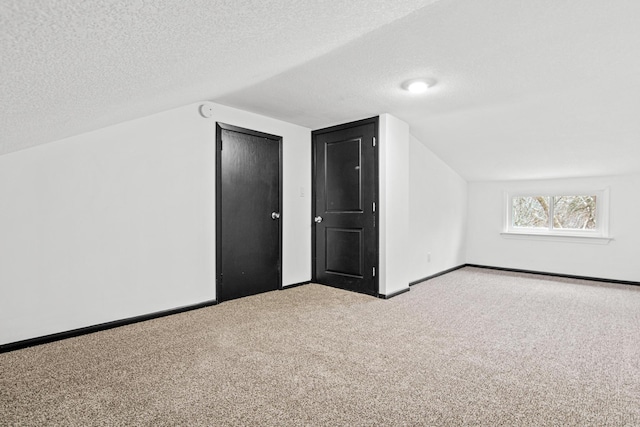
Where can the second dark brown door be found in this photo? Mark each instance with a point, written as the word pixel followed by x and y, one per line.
pixel 345 186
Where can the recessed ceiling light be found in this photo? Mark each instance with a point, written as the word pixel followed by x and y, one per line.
pixel 418 85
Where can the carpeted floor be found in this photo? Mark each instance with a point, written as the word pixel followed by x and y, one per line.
pixel 473 347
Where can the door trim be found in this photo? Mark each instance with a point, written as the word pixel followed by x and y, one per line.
pixel 219 128
pixel 376 122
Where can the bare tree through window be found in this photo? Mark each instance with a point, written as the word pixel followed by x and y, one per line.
pixel 575 212
pixel 531 211
pixel 572 212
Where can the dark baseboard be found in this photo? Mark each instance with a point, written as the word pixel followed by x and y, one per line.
pixel 541 273
pixel 567 276
pixel 395 294
pixel 100 327
pixel 437 274
pixel 116 323
pixel 294 285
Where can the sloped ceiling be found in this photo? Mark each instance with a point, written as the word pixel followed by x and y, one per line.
pixel 525 89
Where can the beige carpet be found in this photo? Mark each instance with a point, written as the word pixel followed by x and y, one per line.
pixel 473 347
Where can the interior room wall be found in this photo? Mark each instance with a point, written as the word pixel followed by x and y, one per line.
pixel 393 215
pixel 423 208
pixel 615 260
pixel 437 214
pixel 120 222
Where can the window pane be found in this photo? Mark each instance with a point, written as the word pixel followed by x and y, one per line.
pixel 574 212
pixel 531 212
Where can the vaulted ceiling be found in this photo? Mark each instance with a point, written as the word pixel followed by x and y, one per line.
pixel 525 89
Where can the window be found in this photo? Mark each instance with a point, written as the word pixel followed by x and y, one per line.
pixel 576 214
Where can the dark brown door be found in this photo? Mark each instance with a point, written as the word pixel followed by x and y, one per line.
pixel 248 211
pixel 346 186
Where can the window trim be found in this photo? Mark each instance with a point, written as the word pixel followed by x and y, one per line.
pixel 601 233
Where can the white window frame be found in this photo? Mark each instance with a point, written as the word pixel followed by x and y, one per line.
pixel 598 235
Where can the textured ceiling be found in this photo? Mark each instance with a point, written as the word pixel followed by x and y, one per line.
pixel 526 89
pixel 69 66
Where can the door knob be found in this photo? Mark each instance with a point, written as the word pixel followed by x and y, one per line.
pixel 318 219
pixel 275 215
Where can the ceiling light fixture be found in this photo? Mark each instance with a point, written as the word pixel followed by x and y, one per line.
pixel 418 85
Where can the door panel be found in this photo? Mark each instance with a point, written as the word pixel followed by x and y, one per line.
pixel 249 243
pixel 345 190
pixel 343 183
pixel 344 252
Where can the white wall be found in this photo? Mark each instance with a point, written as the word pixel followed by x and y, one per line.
pixel 120 222
pixel 437 214
pixel 423 210
pixel 393 157
pixel 616 260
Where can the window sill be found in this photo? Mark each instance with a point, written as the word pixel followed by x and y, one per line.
pixel 567 238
